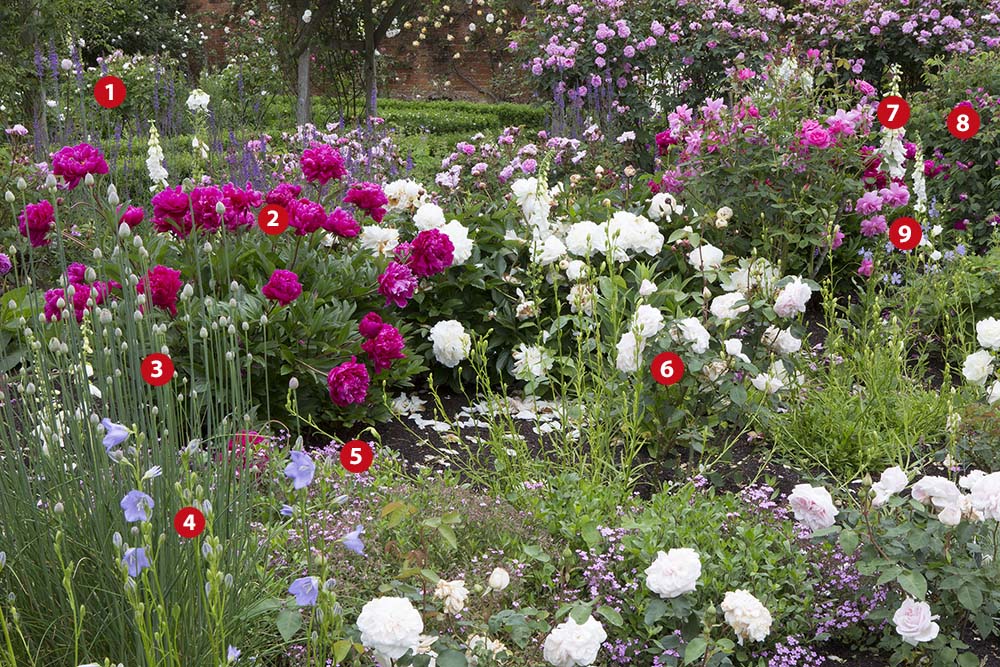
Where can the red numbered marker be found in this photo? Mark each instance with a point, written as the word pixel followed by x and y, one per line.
pixel 157 369
pixel 356 456
pixel 109 92
pixel 905 233
pixel 273 219
pixel 667 368
pixel 963 122
pixel 189 522
pixel 893 112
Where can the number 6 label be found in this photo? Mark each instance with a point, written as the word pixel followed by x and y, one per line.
pixel 905 233
pixel 273 219
pixel 963 122
pixel 667 368
pixel 356 456
pixel 157 369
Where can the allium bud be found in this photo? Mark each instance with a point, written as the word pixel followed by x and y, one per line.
pixel 9 196
pixel 88 179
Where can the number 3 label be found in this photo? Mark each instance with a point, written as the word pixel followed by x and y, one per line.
pixel 667 368
pixel 356 456
pixel 157 369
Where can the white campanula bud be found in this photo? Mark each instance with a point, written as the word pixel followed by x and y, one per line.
pixel 220 208
pixel 124 231
pixel 50 182
pixel 293 383
pixel 21 183
pixel 90 274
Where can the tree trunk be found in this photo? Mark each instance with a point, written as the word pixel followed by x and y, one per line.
pixel 371 89
pixel 303 112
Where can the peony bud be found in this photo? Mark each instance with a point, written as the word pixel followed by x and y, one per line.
pixel 88 179
pixel 9 196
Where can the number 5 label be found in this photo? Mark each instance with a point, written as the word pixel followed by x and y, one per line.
pixel 356 456
pixel 667 368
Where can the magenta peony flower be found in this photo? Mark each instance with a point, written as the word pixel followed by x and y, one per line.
pixel 162 285
pixel 342 223
pixel 322 163
pixel 52 311
pixel 386 346
pixel 36 221
pixel 132 216
pixel 815 135
pixel 306 216
pixel 75 162
pixel 348 383
pixel 283 194
pixel 397 284
pixel 76 273
pixel 170 209
pixel 81 295
pixel 283 287
pixel 368 197
pixel 239 205
pixel 664 140
pixel 203 205
pixel 432 252
pixel 370 325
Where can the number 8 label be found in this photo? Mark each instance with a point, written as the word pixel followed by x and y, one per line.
pixel 905 233
pixel 273 219
pixel 356 456
pixel 963 122
pixel 667 368
pixel 157 369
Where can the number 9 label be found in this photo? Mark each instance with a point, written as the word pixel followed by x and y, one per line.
pixel 356 456
pixel 157 369
pixel 667 368
pixel 273 219
pixel 905 233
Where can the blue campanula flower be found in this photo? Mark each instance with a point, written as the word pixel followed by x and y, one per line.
pixel 136 561
pixel 353 541
pixel 232 654
pixel 305 590
pixel 300 470
pixel 114 434
pixel 136 505
pixel 286 510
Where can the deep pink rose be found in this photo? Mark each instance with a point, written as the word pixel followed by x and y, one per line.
pixel 283 287
pixel 348 383
pixel 815 135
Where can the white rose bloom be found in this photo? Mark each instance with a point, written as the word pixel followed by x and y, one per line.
pixel 781 341
pixel 745 614
pixel 988 333
pixel 691 331
pixel 390 626
pixel 575 269
pixel 573 645
pixel 714 369
pixel 724 213
pixel 752 273
pixel 547 252
pixel 662 207
pixel 674 572
pixel 586 238
pixel 985 496
pixel 724 306
pixel 892 481
pixel 772 381
pixel 734 348
pixel 531 362
pixel 977 367
pixel 425 648
pixel 813 506
pixel 648 321
pixel 480 645
pixel 969 481
pixel 582 298
pixel 647 288
pixel 629 232
pixel 451 342
pixel 705 257
pixel 381 240
pixel 527 196
pixel 994 394
pixel 198 100
pixel 307 16
pixel 629 352
pixel 499 579
pixel 792 298
pixel 914 622
pixel 429 216
pixel 942 494
pixel 453 594
pixel 459 236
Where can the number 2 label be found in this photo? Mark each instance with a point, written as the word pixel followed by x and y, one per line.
pixel 273 219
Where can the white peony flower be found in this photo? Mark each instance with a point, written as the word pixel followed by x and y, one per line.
pixel 781 341
pixel 648 321
pixel 724 306
pixel 459 236
pixel 813 506
pixel 453 594
pixel 499 579
pixel 691 331
pixel 977 367
pixel 586 238
pixel 575 269
pixel 534 203
pixel 674 572
pixel 198 100
pixel 914 622
pixel 429 216
pixel 531 362
pixel 381 240
pixel 629 352
pixel 792 298
pixel 390 626
pixel 405 194
pixel 573 645
pixel 705 257
pixel 647 288
pixel 985 496
pixel 892 481
pixel 547 252
pixel 451 343
pixel 629 232
pixel 988 333
pixel 745 614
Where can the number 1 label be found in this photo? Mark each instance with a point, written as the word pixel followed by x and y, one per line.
pixel 109 92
